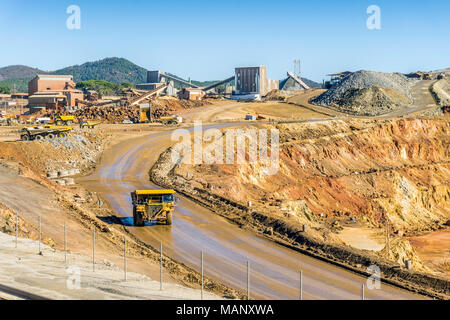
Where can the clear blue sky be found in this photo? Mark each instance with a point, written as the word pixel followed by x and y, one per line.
pixel 205 40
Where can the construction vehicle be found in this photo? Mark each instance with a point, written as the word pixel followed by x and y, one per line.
pixel 30 120
pixel 173 120
pixel 64 120
pixel 41 133
pixel 153 205
pixel 59 128
pixel 6 120
pixel 89 124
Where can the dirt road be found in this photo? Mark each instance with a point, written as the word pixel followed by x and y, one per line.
pixel 227 248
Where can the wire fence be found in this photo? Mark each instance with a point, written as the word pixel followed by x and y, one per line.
pixel 161 267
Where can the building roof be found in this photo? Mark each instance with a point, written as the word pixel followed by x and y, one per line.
pixel 47 95
pixel 54 76
pixel 59 91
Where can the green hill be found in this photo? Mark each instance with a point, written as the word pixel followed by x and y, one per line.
pixel 115 70
pixel 21 84
pixel 18 72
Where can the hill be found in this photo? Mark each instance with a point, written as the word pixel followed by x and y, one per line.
pixel 18 72
pixel 20 83
pixel 115 70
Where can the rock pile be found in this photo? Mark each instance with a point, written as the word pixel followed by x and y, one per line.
pixel 368 93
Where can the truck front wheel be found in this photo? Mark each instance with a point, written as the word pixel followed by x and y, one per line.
pixel 137 218
pixel 169 218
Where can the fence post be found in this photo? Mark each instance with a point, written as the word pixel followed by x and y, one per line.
pixel 248 280
pixel 93 250
pixel 40 235
pixel 362 291
pixel 301 284
pixel 17 227
pixel 202 275
pixel 65 243
pixel 160 267
pixel 125 257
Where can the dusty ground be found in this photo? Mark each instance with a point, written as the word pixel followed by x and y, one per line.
pixel 223 110
pixel 227 247
pixel 50 276
pixel 79 208
pixel 25 190
pixel 362 238
pixel 434 249
pixel 401 177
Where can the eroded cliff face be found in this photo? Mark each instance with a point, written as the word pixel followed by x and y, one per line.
pixel 375 170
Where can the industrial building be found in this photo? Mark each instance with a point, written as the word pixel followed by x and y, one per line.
pixel 159 76
pixel 169 90
pixel 42 83
pixel 252 83
pixel 191 94
pixel 53 91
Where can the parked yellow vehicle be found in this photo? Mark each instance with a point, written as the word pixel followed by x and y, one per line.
pixel 61 130
pixel 64 120
pixel 30 120
pixel 41 133
pixel 89 124
pixel 173 120
pixel 153 205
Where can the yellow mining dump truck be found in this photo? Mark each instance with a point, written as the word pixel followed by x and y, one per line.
pixel 64 120
pixel 62 130
pixel 153 205
pixel 89 124
pixel 173 120
pixel 46 132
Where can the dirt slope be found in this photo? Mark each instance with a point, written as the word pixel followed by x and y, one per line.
pixel 384 173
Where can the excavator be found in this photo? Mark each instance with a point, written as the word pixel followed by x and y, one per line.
pixel 153 206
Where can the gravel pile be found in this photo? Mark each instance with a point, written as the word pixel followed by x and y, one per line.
pixel 340 93
pixel 82 151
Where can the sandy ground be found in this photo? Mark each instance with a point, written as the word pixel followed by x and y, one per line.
pixel 49 276
pixel 225 110
pixel 9 133
pixel 361 238
pixel 41 202
pixel 434 249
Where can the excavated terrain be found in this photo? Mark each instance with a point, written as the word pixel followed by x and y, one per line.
pixel 388 175
pixel 26 191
